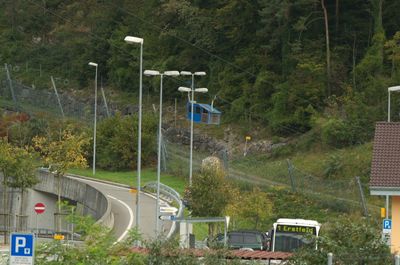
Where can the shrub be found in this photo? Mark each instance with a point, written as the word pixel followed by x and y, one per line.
pixel 117 142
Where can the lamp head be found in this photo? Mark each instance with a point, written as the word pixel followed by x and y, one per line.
pixel 394 88
pixel 201 90
pixel 171 73
pixel 131 39
pixel 186 73
pixel 93 64
pixel 151 72
pixel 200 73
pixel 184 89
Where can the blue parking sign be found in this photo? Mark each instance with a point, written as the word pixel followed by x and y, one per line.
pixel 22 249
pixel 387 224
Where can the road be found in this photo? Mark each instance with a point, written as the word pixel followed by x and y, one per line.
pixel 123 206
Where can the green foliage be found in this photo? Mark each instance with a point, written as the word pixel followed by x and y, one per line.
pixel 208 184
pixel 249 209
pixel 351 242
pixel 333 166
pixel 117 142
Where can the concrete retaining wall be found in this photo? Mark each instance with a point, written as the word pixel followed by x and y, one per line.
pixel 91 201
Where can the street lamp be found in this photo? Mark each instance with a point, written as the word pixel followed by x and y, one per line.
pixel 95 117
pixel 135 40
pixel 155 73
pixel 186 89
pixel 391 89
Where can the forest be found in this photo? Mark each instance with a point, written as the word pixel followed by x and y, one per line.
pixel 289 65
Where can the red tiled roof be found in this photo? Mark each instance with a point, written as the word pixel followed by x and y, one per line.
pixel 385 167
pixel 241 254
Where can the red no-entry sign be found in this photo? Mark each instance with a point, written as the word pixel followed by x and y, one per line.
pixel 40 208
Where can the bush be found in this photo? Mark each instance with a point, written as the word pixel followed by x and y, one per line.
pixel 336 133
pixel 350 241
pixel 117 142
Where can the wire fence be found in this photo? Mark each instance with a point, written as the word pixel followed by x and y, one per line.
pixel 343 193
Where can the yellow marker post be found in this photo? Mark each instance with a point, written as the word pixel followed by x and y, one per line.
pixel 383 213
pixel 58 237
pixel 247 138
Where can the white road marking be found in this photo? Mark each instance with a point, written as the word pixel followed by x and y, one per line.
pixel 130 220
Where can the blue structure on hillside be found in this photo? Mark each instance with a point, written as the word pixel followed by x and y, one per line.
pixel 203 113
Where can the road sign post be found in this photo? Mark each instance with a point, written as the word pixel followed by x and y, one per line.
pixel 39 209
pixel 387 231
pixel 22 249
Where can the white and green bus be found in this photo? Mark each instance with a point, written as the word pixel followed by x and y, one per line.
pixel 288 235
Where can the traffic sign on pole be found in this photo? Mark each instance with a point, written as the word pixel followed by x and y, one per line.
pixel 167 217
pixel 39 208
pixel 387 225
pixel 22 249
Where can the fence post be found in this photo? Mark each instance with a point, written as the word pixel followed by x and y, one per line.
pixel 397 260
pixel 58 97
pixel 290 169
pixel 330 258
pixel 11 87
pixel 364 205
pixel 104 97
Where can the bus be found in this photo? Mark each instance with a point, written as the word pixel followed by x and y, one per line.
pixel 288 235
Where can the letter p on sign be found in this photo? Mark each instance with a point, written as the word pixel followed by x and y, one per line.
pixel 20 242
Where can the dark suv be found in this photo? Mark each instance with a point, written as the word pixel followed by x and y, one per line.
pixel 245 239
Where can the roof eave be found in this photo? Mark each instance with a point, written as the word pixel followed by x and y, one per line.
pixel 384 191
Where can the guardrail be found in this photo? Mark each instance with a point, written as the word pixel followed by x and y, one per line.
pixel 170 194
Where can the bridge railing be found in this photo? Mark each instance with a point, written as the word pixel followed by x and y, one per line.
pixel 170 195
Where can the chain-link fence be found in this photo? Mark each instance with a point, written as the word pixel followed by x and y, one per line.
pixel 341 194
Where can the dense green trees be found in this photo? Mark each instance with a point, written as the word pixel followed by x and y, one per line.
pixel 275 62
pixel 117 142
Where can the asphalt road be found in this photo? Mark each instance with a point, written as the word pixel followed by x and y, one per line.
pixel 123 206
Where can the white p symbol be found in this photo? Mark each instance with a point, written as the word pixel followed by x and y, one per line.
pixel 20 242
pixel 387 224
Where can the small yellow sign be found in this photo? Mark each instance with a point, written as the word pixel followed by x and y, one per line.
pixel 383 212
pixel 58 237
pixel 248 138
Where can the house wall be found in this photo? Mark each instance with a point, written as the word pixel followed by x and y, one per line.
pixel 395 244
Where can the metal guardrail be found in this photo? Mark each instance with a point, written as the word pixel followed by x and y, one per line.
pixel 173 195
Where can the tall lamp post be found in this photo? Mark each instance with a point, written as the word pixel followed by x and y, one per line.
pixel 95 118
pixel 155 73
pixel 192 90
pixel 391 89
pixel 135 40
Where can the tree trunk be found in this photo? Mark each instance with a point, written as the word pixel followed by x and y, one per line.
pixel 337 17
pixel 328 52
pixel 285 39
pixel 354 62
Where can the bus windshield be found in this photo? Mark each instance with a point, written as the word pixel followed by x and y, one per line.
pixel 291 234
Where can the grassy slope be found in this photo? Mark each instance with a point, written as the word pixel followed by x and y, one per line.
pixel 130 177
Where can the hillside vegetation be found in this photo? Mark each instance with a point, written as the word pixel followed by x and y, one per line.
pixel 282 64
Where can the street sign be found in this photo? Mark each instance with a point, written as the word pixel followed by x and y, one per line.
pixel 387 226
pixel 22 249
pixel 168 210
pixel 167 217
pixel 40 208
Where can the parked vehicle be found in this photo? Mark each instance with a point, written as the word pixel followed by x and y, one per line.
pixel 244 239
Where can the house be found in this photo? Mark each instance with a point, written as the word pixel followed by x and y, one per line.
pixel 203 113
pixel 385 173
